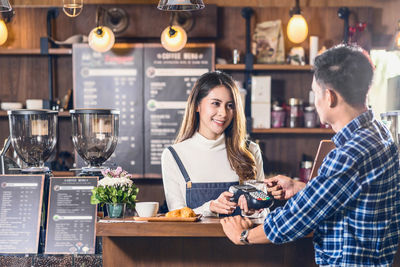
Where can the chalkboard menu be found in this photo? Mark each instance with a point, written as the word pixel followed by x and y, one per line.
pixel 150 86
pixel 71 218
pixel 169 78
pixel 114 80
pixel 20 209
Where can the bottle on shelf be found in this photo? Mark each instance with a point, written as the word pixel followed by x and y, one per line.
pixel 295 113
pixel 278 116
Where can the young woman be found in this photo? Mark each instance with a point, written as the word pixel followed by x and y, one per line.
pixel 210 152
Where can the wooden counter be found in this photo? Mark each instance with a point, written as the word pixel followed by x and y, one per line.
pixel 203 243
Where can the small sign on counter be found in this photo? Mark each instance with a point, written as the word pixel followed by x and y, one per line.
pixel 20 209
pixel 71 218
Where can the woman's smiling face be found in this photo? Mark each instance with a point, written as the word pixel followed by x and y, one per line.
pixel 215 112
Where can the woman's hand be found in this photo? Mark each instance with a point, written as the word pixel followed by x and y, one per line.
pixel 283 187
pixel 223 205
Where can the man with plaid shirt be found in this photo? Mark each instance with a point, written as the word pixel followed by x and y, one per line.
pixel 353 205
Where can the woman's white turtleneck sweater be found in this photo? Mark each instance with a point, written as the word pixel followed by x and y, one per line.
pixel 205 161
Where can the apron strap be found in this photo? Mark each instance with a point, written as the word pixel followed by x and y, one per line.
pixel 248 143
pixel 181 167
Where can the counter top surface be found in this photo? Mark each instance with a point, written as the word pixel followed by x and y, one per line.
pixel 206 227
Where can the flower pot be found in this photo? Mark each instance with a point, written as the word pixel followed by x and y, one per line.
pixel 116 210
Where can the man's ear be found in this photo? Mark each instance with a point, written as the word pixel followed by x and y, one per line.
pixel 333 98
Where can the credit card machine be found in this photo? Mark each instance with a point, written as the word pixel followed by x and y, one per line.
pixel 256 199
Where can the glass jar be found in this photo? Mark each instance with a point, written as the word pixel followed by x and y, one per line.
pixel 305 170
pixel 278 115
pixel 310 117
pixel 295 113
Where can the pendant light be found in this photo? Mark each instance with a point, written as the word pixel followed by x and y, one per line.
pixel 173 38
pixel 3 32
pixel 101 38
pixel 297 28
pixel 5 6
pixel 180 5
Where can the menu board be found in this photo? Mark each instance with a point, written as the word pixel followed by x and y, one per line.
pixel 114 80
pixel 71 218
pixel 150 86
pixel 169 78
pixel 20 209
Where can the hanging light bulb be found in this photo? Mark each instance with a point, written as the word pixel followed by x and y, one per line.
pixel 101 39
pixel 173 38
pixel 3 32
pixel 297 29
pixel 180 5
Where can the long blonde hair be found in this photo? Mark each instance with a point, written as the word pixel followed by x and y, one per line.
pixel 240 158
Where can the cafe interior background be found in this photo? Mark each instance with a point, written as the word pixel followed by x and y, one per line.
pixel 36 61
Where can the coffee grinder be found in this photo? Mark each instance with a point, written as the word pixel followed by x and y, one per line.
pixel 34 136
pixel 95 136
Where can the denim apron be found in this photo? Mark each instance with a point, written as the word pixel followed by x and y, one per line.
pixel 199 193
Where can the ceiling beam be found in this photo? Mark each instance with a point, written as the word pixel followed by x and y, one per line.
pixel 227 3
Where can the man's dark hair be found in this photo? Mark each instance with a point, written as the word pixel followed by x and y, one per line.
pixel 346 69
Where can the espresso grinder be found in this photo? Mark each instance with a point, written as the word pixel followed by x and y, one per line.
pixel 95 136
pixel 33 135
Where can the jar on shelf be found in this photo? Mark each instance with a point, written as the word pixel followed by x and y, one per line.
pixel 305 170
pixel 295 113
pixel 278 116
pixel 310 117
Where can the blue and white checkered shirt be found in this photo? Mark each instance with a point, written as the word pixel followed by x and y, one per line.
pixel 353 205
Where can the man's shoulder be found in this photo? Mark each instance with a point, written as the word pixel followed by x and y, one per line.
pixel 370 146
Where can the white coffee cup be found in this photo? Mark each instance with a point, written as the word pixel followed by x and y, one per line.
pixel 147 209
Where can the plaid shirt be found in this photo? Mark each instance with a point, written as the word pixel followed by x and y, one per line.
pixel 353 205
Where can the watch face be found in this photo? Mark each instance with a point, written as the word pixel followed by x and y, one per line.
pixel 244 233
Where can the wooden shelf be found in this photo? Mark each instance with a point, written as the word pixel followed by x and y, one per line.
pixel 35 51
pixel 293 131
pixel 270 67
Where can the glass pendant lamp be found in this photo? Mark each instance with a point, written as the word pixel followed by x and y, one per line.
pixel 3 32
pixel 5 6
pixel 180 5
pixel 297 29
pixel 173 38
pixel 101 38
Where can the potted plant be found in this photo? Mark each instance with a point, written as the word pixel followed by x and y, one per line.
pixel 116 190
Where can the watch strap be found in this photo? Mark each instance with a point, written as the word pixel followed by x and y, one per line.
pixel 243 237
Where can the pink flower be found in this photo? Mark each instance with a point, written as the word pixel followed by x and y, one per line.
pixel 117 173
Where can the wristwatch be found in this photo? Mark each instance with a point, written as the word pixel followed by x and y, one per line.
pixel 243 237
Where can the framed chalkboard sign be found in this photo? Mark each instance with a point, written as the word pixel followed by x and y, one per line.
pixel 114 80
pixel 20 210
pixel 71 219
pixel 150 86
pixel 169 78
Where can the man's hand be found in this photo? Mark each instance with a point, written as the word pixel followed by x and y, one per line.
pixel 283 187
pixel 234 226
pixel 223 205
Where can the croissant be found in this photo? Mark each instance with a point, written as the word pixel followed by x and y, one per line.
pixel 173 213
pixel 185 212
